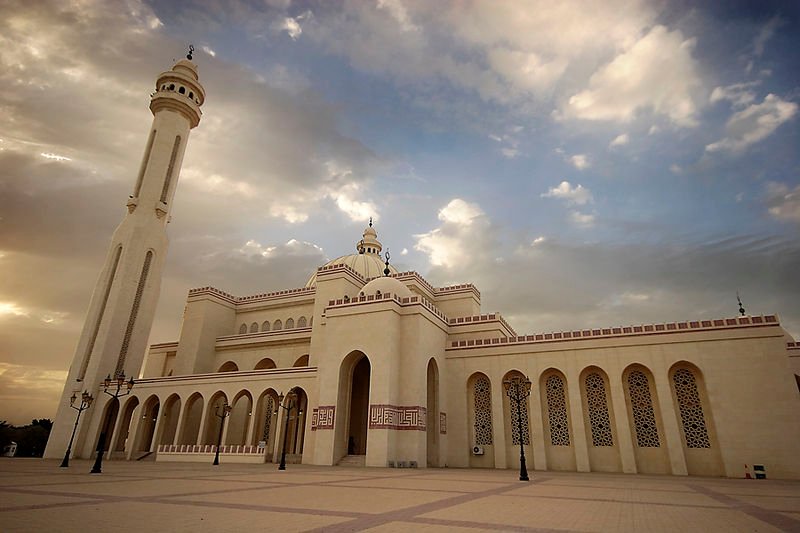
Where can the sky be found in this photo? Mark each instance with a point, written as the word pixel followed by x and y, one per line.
pixel 583 164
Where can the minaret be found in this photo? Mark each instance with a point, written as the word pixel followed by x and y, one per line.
pixel 120 315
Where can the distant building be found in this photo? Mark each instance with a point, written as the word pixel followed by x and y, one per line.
pixel 381 368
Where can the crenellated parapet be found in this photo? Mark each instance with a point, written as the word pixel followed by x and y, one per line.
pixel 482 319
pixel 402 301
pixel 626 331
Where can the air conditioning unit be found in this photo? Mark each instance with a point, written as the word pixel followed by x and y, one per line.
pixel 477 450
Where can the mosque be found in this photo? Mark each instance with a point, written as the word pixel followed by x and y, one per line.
pixel 365 365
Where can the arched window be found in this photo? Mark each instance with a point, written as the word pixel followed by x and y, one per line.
pixel 301 322
pixel 265 364
pixel 265 326
pixel 290 323
pixel 557 411
pixel 301 361
pixel 277 325
pixel 229 366
pixel 254 327
pixel 598 410
pixel 691 409
pixel 191 95
pixel 644 417
pixel 482 395
pixel 182 90
pixel 171 86
pixel 242 329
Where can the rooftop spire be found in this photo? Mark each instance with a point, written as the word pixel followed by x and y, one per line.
pixel 741 307
pixel 369 244
pixel 386 270
pixel 189 55
pixel 370 222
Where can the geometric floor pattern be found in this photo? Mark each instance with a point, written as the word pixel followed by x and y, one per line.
pixel 37 495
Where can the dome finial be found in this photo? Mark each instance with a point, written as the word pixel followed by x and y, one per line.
pixel 386 270
pixel 370 222
pixel 189 55
pixel 741 307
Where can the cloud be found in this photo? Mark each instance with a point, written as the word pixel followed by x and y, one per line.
pixel 580 161
pixel 739 94
pixel 753 124
pixel 209 51
pixel 291 25
pixel 464 227
pixel 783 203
pixel 579 195
pixel 620 140
pixel 657 73
pixel 581 219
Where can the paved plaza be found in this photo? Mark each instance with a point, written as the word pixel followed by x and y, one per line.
pixel 37 495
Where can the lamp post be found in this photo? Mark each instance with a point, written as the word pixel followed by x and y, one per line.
pixel 226 410
pixel 120 382
pixel 518 390
pixel 290 400
pixel 86 401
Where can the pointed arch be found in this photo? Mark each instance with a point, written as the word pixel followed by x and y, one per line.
pixel 192 418
pixel 121 440
pixel 213 422
pixel 147 424
pixel 228 366
pixel 266 412
pixel 432 410
pixel 171 410
pixel 254 327
pixel 265 364
pixel 301 322
pixel 242 329
pixel 289 323
pixel 352 412
pixel 301 361
pixel 265 326
pixel 512 421
pixel 239 418
pixel 277 325
pixel 644 414
pixel 693 412
pixel 559 445
pixel 598 415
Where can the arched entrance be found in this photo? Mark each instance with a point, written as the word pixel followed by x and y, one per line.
pixel 192 416
pixel 267 421
pixel 213 420
pixel 352 418
pixel 239 419
pixel 147 425
pixel 121 440
pixel 294 427
pixel 107 427
pixel 432 426
pixel 172 409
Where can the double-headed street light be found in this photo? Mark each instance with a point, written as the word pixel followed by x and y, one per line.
pixel 119 382
pixel 86 401
pixel 290 400
pixel 226 410
pixel 518 389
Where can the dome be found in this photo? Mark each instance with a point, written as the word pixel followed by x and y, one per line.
pixel 386 284
pixel 367 262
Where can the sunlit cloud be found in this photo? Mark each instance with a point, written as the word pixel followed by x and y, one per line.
pixel 55 157
pixel 578 195
pixel 754 123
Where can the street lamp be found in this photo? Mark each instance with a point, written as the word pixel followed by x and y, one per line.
pixel 518 390
pixel 86 401
pixel 226 410
pixel 120 382
pixel 290 400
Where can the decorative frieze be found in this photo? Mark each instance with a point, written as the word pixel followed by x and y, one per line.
pixel 443 423
pixel 397 417
pixel 322 417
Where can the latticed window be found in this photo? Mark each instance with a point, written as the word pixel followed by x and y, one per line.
pixel 694 423
pixel 599 420
pixel 482 394
pixel 516 416
pixel 254 328
pixel 557 411
pixel 270 407
pixel 289 323
pixel 644 418
pixel 301 322
pixel 265 326
pixel 277 325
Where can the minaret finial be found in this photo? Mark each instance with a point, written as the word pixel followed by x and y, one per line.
pixel 189 55
pixel 370 222
pixel 386 270
pixel 741 307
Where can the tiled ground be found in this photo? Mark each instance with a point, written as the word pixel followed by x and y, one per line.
pixel 37 495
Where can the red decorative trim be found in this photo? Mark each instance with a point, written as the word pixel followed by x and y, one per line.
pixel 322 417
pixel 646 329
pixel 398 417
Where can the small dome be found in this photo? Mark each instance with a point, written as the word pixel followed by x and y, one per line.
pixel 187 67
pixel 386 284
pixel 367 262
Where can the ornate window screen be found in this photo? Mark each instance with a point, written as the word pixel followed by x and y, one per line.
pixel 694 423
pixel 557 411
pixel 644 418
pixel 483 411
pixel 599 420
pixel 270 403
pixel 523 411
